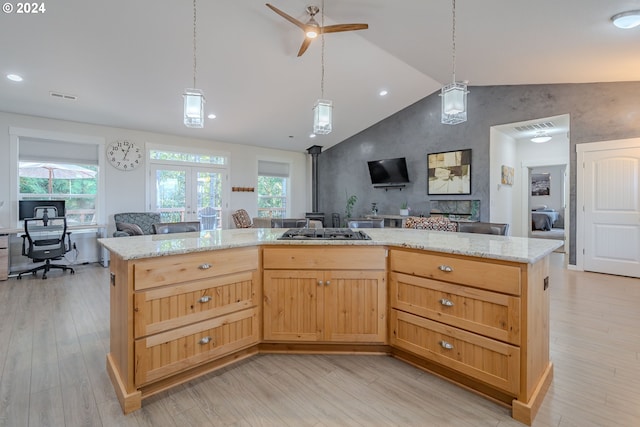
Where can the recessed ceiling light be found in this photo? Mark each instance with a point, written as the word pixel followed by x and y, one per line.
pixel 211 116
pixel 383 93
pixel 14 77
pixel 626 20
pixel 313 135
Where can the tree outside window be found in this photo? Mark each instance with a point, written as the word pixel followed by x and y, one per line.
pixel 76 184
pixel 272 196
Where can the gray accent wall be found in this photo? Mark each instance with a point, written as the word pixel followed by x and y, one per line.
pixel 598 112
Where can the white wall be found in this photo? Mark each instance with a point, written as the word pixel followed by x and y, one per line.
pixel 125 191
pixel 503 207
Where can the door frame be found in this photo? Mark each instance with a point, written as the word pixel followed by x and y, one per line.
pixel 581 149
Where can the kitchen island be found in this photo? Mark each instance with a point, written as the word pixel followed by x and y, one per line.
pixel 471 308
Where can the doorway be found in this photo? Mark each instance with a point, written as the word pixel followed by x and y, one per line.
pixel 188 193
pixel 511 148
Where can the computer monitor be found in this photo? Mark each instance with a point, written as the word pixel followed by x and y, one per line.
pixel 27 208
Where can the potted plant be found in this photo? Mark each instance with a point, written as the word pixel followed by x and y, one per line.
pixel 351 200
pixel 404 209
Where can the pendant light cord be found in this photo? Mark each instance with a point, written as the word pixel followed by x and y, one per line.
pixel 453 41
pixel 194 42
pixel 322 52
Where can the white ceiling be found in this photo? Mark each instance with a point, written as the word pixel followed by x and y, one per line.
pixel 129 61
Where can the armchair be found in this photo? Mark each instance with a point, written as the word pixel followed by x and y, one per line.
pixel 45 239
pixel 241 219
pixel 175 227
pixel 135 223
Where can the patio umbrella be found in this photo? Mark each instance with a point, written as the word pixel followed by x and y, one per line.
pixel 53 171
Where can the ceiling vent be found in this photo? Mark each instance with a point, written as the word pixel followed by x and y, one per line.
pixel 63 96
pixel 535 127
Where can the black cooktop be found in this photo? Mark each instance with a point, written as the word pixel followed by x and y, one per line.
pixel 323 234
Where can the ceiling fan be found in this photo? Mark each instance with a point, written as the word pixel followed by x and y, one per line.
pixel 312 29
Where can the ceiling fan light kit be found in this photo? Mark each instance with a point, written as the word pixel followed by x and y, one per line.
pixel 194 98
pixel 454 95
pixel 312 29
pixel 626 20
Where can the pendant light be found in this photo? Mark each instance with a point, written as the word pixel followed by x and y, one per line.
pixel 323 109
pixel 454 95
pixel 194 98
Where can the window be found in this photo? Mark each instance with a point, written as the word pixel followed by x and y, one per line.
pixel 58 169
pixel 273 189
pixel 76 184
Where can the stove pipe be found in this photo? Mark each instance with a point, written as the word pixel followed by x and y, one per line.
pixel 314 150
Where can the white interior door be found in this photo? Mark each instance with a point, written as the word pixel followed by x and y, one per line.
pixel 611 189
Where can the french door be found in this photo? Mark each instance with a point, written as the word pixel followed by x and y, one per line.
pixel 189 193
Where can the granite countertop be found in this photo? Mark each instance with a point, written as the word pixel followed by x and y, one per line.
pixel 518 249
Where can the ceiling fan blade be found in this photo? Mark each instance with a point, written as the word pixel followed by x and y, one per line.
pixel 343 27
pixel 305 44
pixel 291 19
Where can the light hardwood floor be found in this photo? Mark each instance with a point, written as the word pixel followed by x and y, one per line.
pixel 54 335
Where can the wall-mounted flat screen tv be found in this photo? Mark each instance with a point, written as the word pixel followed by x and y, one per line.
pixel 388 171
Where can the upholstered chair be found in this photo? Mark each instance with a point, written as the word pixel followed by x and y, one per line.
pixel 135 223
pixel 241 219
pixel 438 223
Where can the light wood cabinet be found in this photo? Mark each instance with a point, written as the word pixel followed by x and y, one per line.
pixel 173 318
pixel 337 305
pixel 482 323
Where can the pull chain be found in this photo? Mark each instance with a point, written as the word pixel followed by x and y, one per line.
pixel 194 43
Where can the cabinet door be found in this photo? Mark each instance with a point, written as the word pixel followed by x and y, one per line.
pixel 291 301
pixel 355 306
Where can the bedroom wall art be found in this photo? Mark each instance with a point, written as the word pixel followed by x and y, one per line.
pixel 507 175
pixel 449 172
pixel 540 184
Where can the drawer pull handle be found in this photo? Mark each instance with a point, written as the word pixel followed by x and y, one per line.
pixel 446 302
pixel 446 345
pixel 445 268
pixel 328 282
pixel 204 266
pixel 205 340
pixel 320 283
pixel 204 299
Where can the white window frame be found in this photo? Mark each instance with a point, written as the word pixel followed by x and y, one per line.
pixel 16 133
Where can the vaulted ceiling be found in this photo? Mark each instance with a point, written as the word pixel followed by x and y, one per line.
pixel 128 62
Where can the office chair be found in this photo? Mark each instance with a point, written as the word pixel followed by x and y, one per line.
pixel 44 240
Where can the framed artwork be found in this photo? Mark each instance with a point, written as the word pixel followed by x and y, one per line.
pixel 540 184
pixel 507 175
pixel 449 172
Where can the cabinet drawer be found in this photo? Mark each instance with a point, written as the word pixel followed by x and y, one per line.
pixel 492 362
pixel 481 274
pixel 158 271
pixel 325 258
pixel 491 314
pixel 161 309
pixel 161 355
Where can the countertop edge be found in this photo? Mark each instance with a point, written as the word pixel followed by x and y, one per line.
pixel 503 248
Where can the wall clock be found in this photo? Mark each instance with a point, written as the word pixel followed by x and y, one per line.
pixel 124 155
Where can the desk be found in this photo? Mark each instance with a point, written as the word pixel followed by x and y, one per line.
pixel 5 244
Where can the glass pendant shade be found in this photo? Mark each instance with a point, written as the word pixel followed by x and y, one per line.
pixel 193 108
pixel 454 103
pixel 322 117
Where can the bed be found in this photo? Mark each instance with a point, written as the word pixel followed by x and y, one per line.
pixel 543 219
